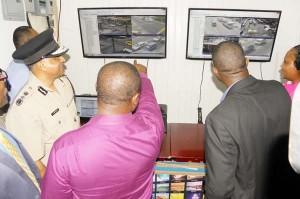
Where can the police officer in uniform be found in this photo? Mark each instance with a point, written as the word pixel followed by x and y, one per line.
pixel 44 109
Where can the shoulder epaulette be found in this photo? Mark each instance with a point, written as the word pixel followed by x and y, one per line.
pixel 23 94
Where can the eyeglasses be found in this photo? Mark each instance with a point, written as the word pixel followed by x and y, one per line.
pixel 3 75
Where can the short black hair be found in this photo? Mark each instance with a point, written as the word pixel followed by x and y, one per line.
pixel 297 57
pixel 229 57
pixel 117 83
pixel 21 35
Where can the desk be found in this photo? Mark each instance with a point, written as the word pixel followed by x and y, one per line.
pixel 183 142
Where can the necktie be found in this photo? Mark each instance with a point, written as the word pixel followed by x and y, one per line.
pixel 19 159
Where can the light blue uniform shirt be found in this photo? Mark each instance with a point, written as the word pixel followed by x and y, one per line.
pixel 18 74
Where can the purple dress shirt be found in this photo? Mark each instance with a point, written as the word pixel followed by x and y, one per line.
pixel 112 156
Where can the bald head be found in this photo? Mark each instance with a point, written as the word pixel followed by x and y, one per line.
pixel 117 83
pixel 22 34
pixel 228 57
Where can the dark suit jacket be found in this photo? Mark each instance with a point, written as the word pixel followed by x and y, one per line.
pixel 14 182
pixel 246 142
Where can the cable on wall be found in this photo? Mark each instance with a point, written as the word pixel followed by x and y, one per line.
pixel 48 21
pixel 147 62
pixel 58 20
pixel 261 75
pixel 200 90
pixel 199 109
pixel 28 20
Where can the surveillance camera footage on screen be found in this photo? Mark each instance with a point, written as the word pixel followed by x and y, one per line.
pixel 123 32
pixel 254 30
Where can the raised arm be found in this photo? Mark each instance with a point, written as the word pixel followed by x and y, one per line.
pixel 148 107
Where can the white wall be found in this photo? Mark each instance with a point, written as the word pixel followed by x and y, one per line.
pixel 6 35
pixel 176 80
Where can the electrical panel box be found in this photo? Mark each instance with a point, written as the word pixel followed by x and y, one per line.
pixel 50 7
pixel 29 5
pixel 13 10
pixel 40 8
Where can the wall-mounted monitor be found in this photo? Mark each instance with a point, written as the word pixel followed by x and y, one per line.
pixel 86 105
pixel 254 30
pixel 123 32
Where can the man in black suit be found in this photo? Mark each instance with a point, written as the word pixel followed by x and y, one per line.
pixel 246 134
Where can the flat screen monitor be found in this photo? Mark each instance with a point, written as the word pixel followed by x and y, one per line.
pixel 254 30
pixel 86 105
pixel 123 32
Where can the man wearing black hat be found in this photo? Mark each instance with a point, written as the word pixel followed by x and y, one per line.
pixel 17 71
pixel 45 108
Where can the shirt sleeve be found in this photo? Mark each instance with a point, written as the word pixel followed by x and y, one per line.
pixel 26 126
pixel 17 76
pixel 294 137
pixel 148 107
pixel 221 160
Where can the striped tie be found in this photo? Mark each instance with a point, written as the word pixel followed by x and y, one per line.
pixel 19 159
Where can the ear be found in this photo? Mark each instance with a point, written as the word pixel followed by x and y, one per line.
pixel 247 61
pixel 135 101
pixel 215 70
pixel 42 65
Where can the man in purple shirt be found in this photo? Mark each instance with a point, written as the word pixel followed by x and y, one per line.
pixel 113 155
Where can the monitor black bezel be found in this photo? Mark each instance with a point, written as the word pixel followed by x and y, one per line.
pixel 129 56
pixel 231 10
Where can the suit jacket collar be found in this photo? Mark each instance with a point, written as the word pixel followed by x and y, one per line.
pixel 249 80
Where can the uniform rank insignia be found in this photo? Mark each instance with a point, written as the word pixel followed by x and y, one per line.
pixel 54 112
pixel 19 102
pixel 42 90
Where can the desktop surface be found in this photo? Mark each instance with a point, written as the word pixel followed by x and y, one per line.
pixel 183 142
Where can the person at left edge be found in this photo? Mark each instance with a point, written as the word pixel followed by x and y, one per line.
pixel 14 181
pixel 17 71
pixel 44 109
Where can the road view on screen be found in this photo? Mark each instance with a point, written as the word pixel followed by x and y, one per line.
pixel 254 30
pixel 123 32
